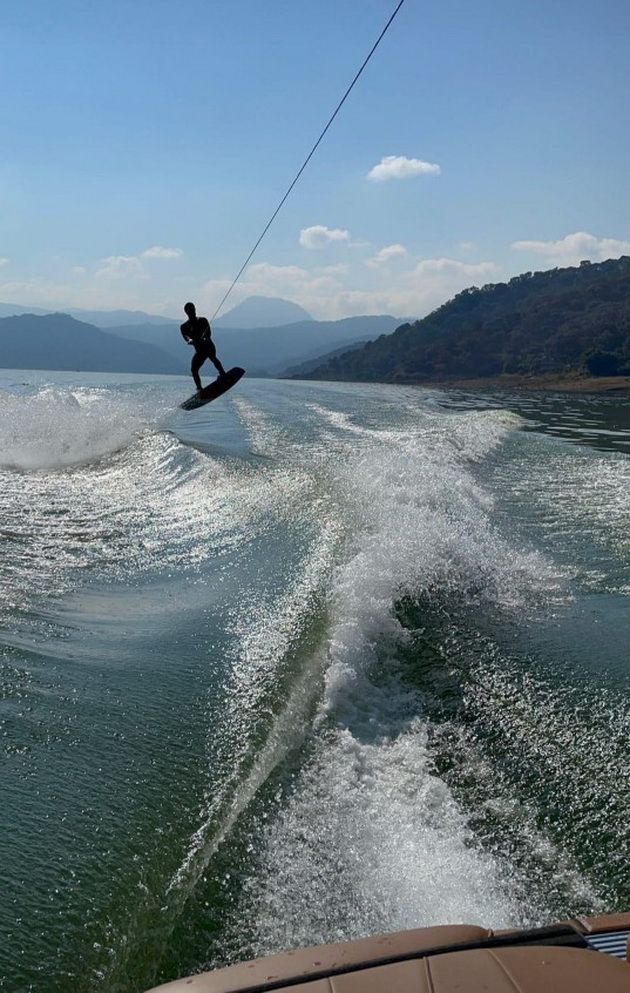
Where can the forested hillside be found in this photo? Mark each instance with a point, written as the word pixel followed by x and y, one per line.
pixel 562 321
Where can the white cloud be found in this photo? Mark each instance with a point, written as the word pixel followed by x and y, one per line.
pixel 121 267
pixel 348 303
pixel 452 268
pixel 3 260
pixel 434 281
pixel 275 274
pixel 263 279
pixel 575 248
pixel 80 289
pixel 328 292
pixel 287 281
pixel 60 296
pixel 341 269
pixel 319 236
pixel 386 255
pixel 333 295
pixel 400 167
pixel 41 292
pixel 157 252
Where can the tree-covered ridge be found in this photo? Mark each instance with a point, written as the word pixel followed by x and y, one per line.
pixel 562 321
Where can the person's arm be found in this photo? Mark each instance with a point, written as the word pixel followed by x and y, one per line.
pixel 184 330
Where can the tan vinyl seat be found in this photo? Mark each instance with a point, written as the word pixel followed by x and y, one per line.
pixel 533 969
pixel 537 969
pixel 322 958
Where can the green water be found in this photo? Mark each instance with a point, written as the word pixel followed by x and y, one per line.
pixel 314 662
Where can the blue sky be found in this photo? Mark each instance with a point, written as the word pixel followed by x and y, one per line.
pixel 145 144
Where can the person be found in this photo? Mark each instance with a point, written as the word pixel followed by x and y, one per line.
pixel 196 331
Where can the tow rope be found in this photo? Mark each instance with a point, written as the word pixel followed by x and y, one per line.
pixel 309 157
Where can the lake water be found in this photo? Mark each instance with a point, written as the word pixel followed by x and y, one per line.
pixel 312 662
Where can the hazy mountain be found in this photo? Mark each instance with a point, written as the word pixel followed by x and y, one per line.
pixel 164 336
pixel 302 369
pixel 573 322
pixel 273 349
pixel 100 318
pixel 11 309
pixel 263 312
pixel 254 312
pixel 268 351
pixel 58 341
pixel 114 318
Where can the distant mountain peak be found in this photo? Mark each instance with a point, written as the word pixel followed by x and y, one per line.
pixel 263 312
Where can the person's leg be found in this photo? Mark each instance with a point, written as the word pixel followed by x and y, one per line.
pixel 212 355
pixel 196 364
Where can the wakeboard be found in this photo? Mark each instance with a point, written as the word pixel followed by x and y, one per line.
pixel 216 389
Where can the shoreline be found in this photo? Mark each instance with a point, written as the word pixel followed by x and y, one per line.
pixel 534 384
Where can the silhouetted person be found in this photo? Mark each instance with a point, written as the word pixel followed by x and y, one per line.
pixel 196 331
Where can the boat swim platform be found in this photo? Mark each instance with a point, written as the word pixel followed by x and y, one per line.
pixel 582 955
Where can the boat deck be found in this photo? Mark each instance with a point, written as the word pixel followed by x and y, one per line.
pixel 575 956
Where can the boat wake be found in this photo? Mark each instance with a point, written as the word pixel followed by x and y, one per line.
pixel 55 429
pixel 367 836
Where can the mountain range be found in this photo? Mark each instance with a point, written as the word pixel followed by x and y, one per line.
pixel 144 344
pixel 567 322
pixel 268 351
pixel 58 341
pixel 253 312
pixel 100 318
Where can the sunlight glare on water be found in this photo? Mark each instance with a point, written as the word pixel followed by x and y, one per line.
pixel 296 668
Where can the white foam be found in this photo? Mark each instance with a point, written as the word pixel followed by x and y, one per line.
pixel 372 839
pixel 57 428
pixel 268 630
